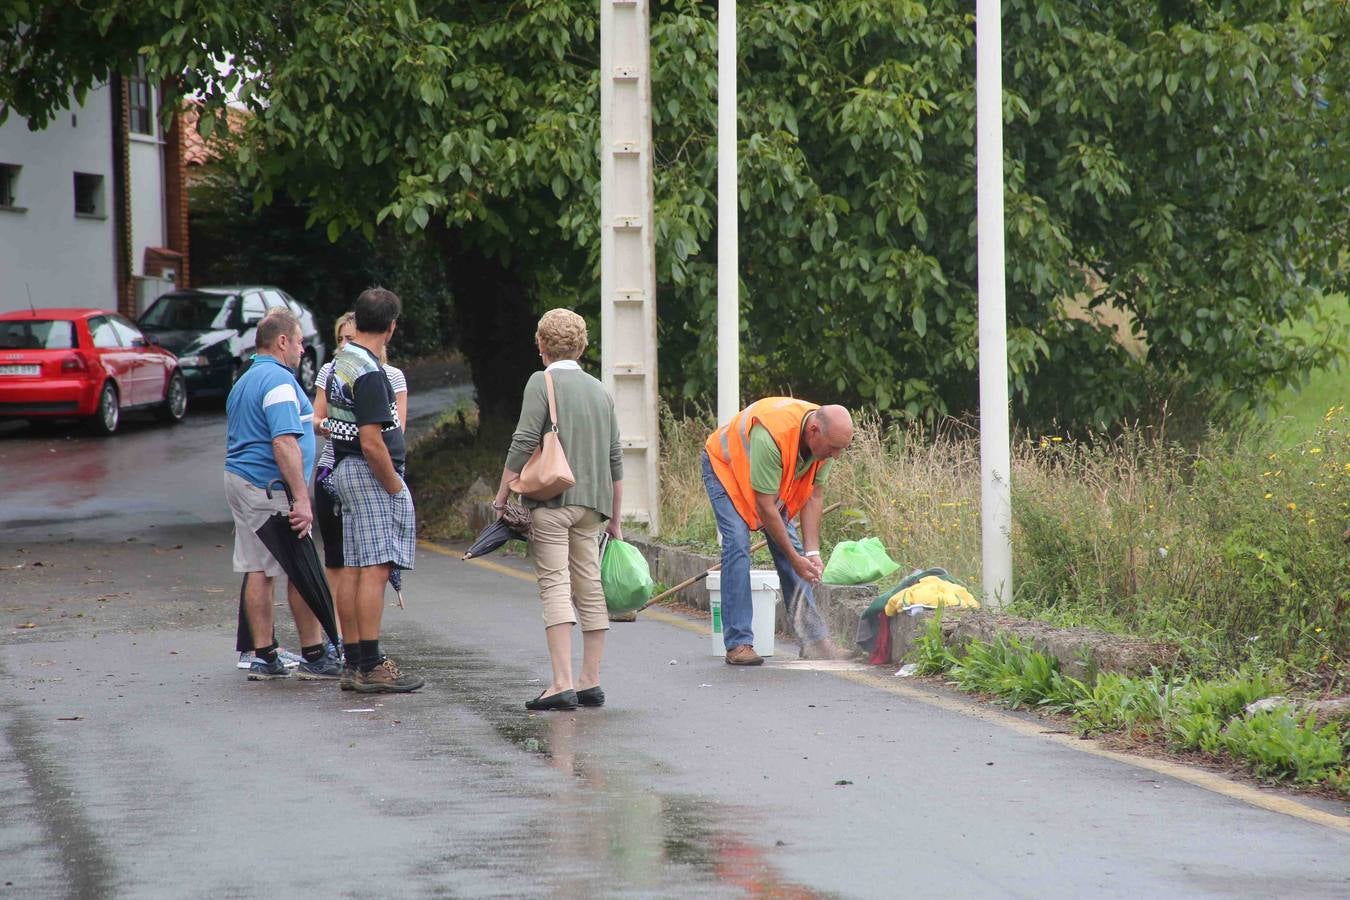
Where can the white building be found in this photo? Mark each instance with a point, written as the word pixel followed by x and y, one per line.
pixel 93 210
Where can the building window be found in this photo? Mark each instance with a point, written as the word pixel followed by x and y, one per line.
pixel 138 100
pixel 89 195
pixel 9 186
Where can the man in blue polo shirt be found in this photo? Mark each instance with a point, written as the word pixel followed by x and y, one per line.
pixel 269 436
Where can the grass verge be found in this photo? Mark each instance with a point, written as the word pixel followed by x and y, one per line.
pixel 1179 713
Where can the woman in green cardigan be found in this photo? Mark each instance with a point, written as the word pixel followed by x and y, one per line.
pixel 565 531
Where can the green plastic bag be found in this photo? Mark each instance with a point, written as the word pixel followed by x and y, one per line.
pixel 858 562
pixel 625 577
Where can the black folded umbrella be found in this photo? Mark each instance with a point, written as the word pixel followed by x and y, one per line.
pixel 300 561
pixel 512 525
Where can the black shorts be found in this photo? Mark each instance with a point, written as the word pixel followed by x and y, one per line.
pixel 330 527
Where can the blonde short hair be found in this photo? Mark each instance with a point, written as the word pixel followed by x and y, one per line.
pixel 347 318
pixel 561 334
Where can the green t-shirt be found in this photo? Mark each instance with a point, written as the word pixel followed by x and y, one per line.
pixel 766 463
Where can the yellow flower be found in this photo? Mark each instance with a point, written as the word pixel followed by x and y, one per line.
pixel 1318 630
pixel 1268 495
pixel 1315 450
pixel 1057 439
pixel 1291 506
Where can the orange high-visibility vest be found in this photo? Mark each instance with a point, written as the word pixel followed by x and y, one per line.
pixel 729 452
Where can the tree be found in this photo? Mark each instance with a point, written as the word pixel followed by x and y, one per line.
pixel 1183 163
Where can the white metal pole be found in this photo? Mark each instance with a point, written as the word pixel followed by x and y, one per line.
pixel 728 247
pixel 995 464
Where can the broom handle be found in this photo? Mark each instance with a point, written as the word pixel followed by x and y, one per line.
pixel 695 579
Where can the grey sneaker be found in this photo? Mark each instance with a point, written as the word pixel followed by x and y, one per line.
pixel 289 659
pixel 326 668
pixel 351 674
pixel 262 670
pixel 387 679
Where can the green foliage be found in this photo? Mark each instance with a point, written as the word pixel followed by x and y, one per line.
pixel 1296 412
pixel 1018 674
pixel 1197 710
pixel 328 275
pixel 1188 172
pixel 930 654
pixel 1278 745
pixel 1234 549
pixel 1189 714
pixel 1120 703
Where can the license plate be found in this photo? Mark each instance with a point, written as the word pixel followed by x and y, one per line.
pixel 20 370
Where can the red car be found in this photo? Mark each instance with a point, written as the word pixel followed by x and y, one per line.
pixel 84 363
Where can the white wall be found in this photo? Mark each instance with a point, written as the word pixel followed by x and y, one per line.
pixel 147 193
pixel 65 260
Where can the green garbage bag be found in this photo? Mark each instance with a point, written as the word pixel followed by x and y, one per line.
pixel 625 577
pixel 858 562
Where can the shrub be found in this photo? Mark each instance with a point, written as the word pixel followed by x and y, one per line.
pixel 1280 746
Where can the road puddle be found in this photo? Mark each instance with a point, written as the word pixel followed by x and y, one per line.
pixel 615 824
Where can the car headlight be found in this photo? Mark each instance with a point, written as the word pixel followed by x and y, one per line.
pixel 194 362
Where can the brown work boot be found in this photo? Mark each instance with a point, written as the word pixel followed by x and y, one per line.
pixel 743 655
pixel 825 648
pixel 387 679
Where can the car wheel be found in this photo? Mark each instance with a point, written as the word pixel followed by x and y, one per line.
pixel 308 372
pixel 108 413
pixel 174 407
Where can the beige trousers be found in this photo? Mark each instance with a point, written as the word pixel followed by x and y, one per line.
pixel 566 548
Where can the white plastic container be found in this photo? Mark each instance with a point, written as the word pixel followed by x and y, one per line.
pixel 763 596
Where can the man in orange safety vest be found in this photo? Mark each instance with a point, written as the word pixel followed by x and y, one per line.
pixel 762 469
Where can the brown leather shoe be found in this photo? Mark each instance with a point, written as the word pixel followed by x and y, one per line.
pixel 825 648
pixel 743 655
pixel 387 678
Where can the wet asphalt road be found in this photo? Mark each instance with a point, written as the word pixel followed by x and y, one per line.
pixel 136 761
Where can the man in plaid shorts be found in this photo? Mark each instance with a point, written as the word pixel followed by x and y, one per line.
pixel 379 528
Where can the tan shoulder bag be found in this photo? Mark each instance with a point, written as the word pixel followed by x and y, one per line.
pixel 547 473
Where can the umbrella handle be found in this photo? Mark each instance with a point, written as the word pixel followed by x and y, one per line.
pixel 290 498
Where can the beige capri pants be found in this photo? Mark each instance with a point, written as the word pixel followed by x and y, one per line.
pixel 566 547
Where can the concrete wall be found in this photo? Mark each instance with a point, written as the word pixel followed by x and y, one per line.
pixel 64 259
pixel 147 197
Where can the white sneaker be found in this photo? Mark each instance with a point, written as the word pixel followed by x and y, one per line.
pixel 289 659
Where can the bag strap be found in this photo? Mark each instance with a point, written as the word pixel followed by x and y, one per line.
pixel 552 402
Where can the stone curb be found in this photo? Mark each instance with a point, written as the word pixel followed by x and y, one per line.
pixel 1081 652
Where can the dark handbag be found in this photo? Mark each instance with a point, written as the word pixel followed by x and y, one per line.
pixel 547 473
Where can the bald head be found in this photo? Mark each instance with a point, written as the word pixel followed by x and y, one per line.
pixel 829 430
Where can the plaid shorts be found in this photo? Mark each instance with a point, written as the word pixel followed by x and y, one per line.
pixel 377 527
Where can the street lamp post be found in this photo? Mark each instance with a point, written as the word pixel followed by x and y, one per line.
pixel 995 477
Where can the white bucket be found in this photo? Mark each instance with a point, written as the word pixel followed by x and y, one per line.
pixel 763 596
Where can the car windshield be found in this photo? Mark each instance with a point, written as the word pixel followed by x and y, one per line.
pixel 37 334
pixel 189 312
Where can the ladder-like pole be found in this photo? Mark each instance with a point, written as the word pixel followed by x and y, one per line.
pixel 627 250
